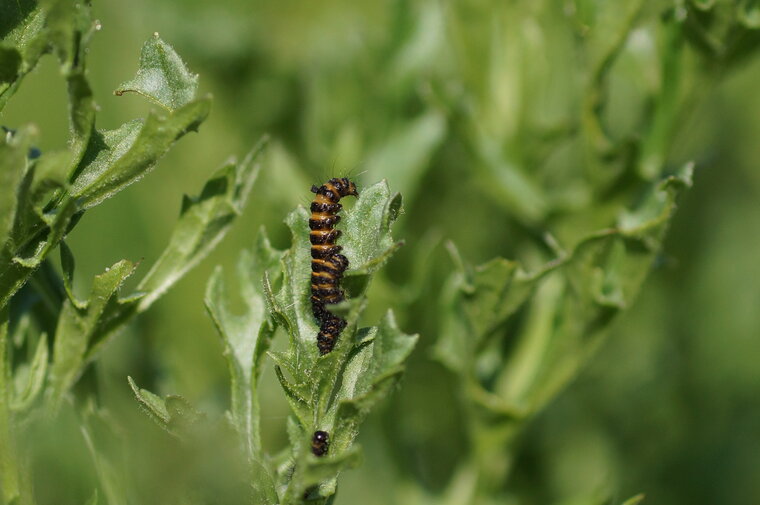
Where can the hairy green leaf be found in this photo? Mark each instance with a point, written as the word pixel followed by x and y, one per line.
pixel 118 158
pixel 162 77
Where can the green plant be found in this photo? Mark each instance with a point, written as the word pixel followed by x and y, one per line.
pixel 45 195
pixel 541 148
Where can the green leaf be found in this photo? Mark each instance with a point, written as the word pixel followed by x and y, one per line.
pixel 117 158
pixel 162 77
pixel 368 243
pixel 576 297
pixel 369 375
pixel 172 413
pixel 9 465
pixel 10 65
pixel 67 265
pixel 31 378
pixel 404 157
pixel 153 405
pixel 95 427
pixel 22 26
pixel 204 220
pixel 13 154
pixel 635 500
pixel 93 499
pixel 77 326
pixel 245 337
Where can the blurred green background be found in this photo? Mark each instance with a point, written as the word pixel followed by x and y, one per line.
pixel 426 93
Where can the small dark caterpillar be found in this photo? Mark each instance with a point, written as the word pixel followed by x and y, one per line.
pixel 320 442
pixel 328 332
pixel 327 264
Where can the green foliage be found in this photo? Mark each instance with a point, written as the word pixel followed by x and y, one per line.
pixel 542 149
pixel 45 196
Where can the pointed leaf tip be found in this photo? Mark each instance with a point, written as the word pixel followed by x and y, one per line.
pixel 162 76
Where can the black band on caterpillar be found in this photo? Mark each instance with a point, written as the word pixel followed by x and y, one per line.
pixel 320 443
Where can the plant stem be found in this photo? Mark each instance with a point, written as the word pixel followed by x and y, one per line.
pixel 9 474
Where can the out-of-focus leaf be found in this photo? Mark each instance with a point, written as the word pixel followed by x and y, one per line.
pixel 33 376
pixel 76 328
pixel 576 298
pixel 635 500
pixel 403 158
pixel 749 14
pixel 13 153
pixel 162 77
pixel 245 337
pixel 153 405
pixel 203 222
pixel 10 485
pixel 95 425
pixel 94 499
pixel 172 413
pixel 10 64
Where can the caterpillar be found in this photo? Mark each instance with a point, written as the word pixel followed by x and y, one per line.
pixel 327 264
pixel 328 332
pixel 320 442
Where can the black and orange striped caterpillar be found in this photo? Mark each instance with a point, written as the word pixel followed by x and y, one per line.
pixel 327 264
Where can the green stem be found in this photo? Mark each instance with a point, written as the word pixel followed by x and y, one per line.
pixel 9 469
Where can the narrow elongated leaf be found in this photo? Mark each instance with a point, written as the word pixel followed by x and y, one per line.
pixel 404 157
pixel 76 328
pixel 105 173
pixel 95 426
pixel 10 485
pixel 245 337
pixel 28 389
pixel 162 77
pixel 203 222
pixel 13 153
